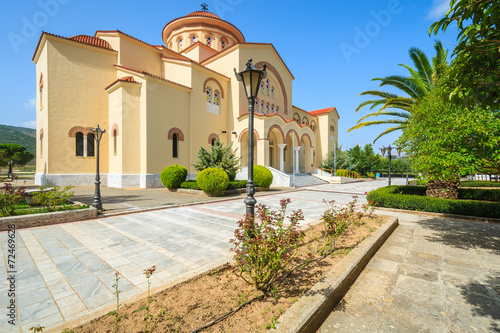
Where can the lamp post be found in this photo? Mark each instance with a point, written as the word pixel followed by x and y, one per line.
pixel 98 132
pixel 251 78
pixel 390 157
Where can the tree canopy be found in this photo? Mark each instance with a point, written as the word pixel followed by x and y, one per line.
pixel 449 140
pixel 475 75
pixel 17 153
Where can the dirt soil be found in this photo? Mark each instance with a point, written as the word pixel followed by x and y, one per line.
pixel 195 303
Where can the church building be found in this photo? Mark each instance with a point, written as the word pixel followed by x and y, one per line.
pixel 160 103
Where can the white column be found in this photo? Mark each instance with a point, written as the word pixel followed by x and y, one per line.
pixel 296 151
pixel 282 156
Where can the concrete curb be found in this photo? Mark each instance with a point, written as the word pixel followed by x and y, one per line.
pixel 442 215
pixel 36 220
pixel 312 309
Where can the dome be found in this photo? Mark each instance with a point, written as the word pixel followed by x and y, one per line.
pixel 204 14
pixel 203 24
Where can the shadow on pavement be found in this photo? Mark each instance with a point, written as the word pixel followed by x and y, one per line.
pixel 464 235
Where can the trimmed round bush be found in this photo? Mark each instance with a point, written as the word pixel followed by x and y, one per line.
pixel 212 181
pixel 262 176
pixel 172 176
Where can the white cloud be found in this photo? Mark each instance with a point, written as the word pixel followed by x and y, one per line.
pixel 30 124
pixel 30 104
pixel 438 9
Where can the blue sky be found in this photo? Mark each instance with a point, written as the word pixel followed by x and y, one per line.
pixel 333 48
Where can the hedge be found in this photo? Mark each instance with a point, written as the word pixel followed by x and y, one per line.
pixel 190 184
pixel 479 183
pixel 395 197
pixel 463 193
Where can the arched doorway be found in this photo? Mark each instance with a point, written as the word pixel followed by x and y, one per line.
pixel 292 142
pixel 276 138
pixel 244 148
pixel 306 154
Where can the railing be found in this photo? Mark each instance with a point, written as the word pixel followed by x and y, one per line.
pixel 341 173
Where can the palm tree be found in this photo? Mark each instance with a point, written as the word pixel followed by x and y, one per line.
pixel 417 85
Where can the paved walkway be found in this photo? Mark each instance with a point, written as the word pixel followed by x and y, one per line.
pixel 432 275
pixel 65 272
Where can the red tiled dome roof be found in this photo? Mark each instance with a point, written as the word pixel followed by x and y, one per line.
pixel 204 14
pixel 94 41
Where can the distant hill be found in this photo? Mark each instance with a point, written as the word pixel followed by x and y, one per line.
pixel 20 135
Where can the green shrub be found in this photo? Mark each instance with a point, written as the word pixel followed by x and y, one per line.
pixel 262 176
pixel 396 197
pixel 479 183
pixel 190 184
pixel 172 176
pixel 479 194
pixel 213 181
pixel 463 193
pixel 236 184
pixel 50 197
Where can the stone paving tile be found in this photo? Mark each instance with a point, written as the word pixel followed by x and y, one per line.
pixel 443 283
pixel 70 267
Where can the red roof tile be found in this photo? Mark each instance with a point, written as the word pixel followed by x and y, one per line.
pixel 204 14
pixel 122 79
pixel 321 111
pixel 94 41
pixel 89 40
pixel 152 75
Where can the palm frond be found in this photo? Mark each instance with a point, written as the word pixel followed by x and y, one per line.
pixel 386 113
pixel 421 63
pixel 387 131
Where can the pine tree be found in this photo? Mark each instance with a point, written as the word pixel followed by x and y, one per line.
pixel 218 157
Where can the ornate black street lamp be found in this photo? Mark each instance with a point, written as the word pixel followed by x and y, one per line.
pixel 98 132
pixel 251 78
pixel 390 156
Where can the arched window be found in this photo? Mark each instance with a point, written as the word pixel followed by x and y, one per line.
pixel 115 142
pixel 267 87
pixel 272 108
pixel 175 145
pixel 277 109
pixel 209 41
pixel 267 108
pixel 272 92
pixel 208 91
pixel 180 44
pixel 216 106
pixel 40 87
pixel 262 107
pixel 262 87
pixel 90 144
pixel 79 144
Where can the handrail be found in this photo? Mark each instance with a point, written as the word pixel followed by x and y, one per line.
pixel 342 173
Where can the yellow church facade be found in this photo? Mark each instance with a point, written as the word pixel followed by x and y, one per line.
pixel 160 103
